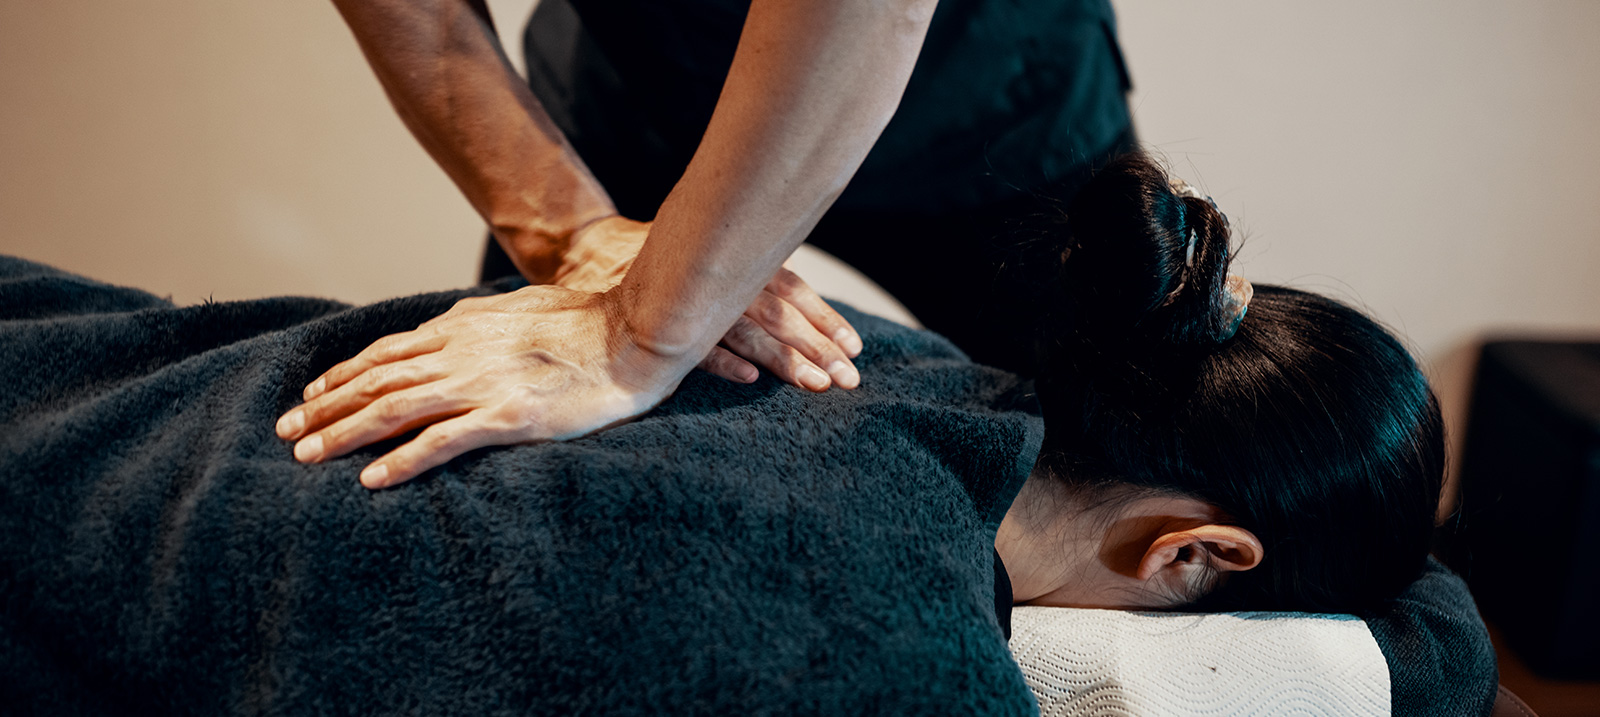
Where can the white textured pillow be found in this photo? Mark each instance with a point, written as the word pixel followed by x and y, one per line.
pixel 1106 662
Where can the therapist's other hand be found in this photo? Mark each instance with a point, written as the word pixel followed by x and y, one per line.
pixel 600 253
pixel 790 331
pixel 540 363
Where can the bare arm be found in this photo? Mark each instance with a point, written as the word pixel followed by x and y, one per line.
pixel 812 85
pixel 443 69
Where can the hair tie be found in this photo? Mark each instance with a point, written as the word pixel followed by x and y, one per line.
pixel 1236 290
pixel 1236 294
pixel 1182 189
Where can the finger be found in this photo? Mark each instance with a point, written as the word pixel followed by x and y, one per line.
pixel 751 341
pixel 353 396
pixel 394 347
pixel 788 286
pixel 785 323
pixel 722 362
pixel 436 445
pixel 388 416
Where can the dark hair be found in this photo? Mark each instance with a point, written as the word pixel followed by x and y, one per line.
pixel 1310 426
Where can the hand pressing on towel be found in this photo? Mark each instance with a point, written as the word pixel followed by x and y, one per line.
pixel 788 330
pixel 473 377
pixel 810 87
pixel 547 362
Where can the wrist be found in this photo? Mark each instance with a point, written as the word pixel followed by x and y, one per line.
pixel 536 254
pixel 600 253
pixel 639 359
pixel 587 242
pixel 654 360
pixel 540 245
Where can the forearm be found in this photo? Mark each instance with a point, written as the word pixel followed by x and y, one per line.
pixel 443 69
pixel 812 85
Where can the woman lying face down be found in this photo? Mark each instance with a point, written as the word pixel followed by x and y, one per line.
pixel 739 549
pixel 1207 448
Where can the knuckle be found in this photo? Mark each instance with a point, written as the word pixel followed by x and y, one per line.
pixel 374 379
pixel 787 283
pixel 814 347
pixel 405 374
pixel 403 465
pixel 386 344
pixel 369 386
pixel 724 364
pixel 770 310
pixel 333 439
pixel 712 359
pixel 336 376
pixel 396 375
pixel 343 377
pixel 320 410
pixel 746 332
pixel 520 410
pixel 393 407
pixel 442 439
pixel 314 412
pixel 829 319
pixel 792 358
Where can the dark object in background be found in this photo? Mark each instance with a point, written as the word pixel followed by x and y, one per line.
pixel 1530 481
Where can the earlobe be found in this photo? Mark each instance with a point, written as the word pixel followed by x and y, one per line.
pixel 1225 548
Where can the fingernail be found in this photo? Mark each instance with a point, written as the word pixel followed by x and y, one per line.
pixel 375 475
pixel 813 378
pixel 308 450
pixel 849 341
pixel 748 374
pixel 315 389
pixel 291 424
pixel 844 374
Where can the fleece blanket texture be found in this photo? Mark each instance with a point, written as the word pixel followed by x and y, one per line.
pixel 1441 662
pixel 739 550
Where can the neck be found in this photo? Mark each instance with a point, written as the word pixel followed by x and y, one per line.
pixel 1045 541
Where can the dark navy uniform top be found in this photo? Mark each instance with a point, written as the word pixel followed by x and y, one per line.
pixel 1008 98
pixel 1006 95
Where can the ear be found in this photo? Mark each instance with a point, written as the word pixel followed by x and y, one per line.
pixel 1180 559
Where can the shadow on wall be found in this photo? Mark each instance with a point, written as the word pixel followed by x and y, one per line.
pixel 1452 374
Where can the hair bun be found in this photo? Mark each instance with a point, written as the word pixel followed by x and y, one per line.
pixel 1137 292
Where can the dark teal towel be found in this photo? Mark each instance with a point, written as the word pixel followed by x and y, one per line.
pixel 1441 663
pixel 739 550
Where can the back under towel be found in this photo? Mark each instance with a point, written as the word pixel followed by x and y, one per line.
pixel 746 549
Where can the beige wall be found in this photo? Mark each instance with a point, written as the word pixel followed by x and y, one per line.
pixel 1436 162
pixel 227 149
